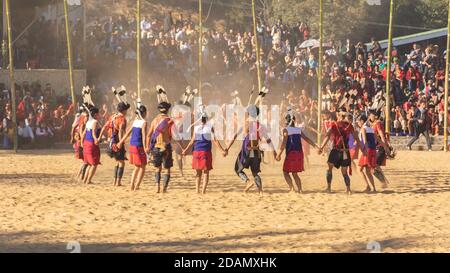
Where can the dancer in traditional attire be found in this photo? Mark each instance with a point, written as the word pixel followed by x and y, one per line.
pixel 383 149
pixel 202 158
pixel 250 155
pixel 368 162
pixel 91 140
pixel 116 128
pixel 75 138
pixel 294 161
pixel 159 140
pixel 138 156
pixel 339 156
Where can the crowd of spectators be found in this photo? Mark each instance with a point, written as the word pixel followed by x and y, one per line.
pixel 354 74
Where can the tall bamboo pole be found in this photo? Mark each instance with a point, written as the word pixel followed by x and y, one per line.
pixel 319 77
pixel 11 76
pixel 446 83
pixel 388 72
pixel 69 53
pixel 138 47
pixel 258 59
pixel 4 39
pixel 200 46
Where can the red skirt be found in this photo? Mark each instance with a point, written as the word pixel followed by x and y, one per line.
pixel 138 156
pixel 202 160
pixel 78 151
pixel 354 153
pixel 91 153
pixel 369 160
pixel 293 163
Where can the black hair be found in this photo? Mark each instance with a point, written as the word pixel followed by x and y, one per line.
pixel 164 107
pixel 142 110
pixel 122 106
pixel 289 119
pixel 93 111
pixel 363 118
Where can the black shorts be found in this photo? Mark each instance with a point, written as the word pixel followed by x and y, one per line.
pixel 336 158
pixel 381 156
pixel 117 155
pixel 252 163
pixel 162 158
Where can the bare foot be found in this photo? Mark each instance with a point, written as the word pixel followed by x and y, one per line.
pixel 349 192
pixel 367 190
pixel 327 190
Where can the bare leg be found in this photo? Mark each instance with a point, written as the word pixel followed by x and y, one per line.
pixel 298 182
pixel 140 176
pixel 363 174
pixel 86 175
pixel 369 175
pixel 288 179
pixel 248 186
pixel 198 179
pixel 90 174
pixel 205 181
pixel 133 178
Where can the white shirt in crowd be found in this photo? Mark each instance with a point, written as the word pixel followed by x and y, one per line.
pixel 25 132
pixel 43 132
pixel 146 25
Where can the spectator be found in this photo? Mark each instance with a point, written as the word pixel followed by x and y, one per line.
pixel 421 125
pixel 25 134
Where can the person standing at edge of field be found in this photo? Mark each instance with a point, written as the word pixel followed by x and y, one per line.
pixel 421 122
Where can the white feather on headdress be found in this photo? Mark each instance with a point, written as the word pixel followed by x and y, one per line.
pixel 261 95
pixel 137 105
pixel 120 94
pixel 187 96
pixel 86 94
pixel 161 94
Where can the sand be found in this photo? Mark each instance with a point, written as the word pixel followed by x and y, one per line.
pixel 42 209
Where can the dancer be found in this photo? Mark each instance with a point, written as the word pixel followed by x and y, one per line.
pixel 186 100
pixel 382 147
pixel 78 128
pixel 91 149
pixel 116 127
pixel 138 143
pixel 250 155
pixel 75 138
pixel 368 162
pixel 339 156
pixel 159 140
pixel 293 163
pixel 202 139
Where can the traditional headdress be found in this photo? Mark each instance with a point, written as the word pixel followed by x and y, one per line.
pixel 121 96
pixel 264 91
pixel 86 94
pixel 163 100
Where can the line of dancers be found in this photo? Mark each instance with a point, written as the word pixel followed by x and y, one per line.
pixel 153 145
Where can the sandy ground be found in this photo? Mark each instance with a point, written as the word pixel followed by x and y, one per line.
pixel 42 208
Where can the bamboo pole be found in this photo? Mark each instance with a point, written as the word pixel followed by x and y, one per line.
pixel 319 78
pixel 11 76
pixel 255 33
pixel 388 72
pixel 446 83
pixel 69 53
pixel 138 47
pixel 200 47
